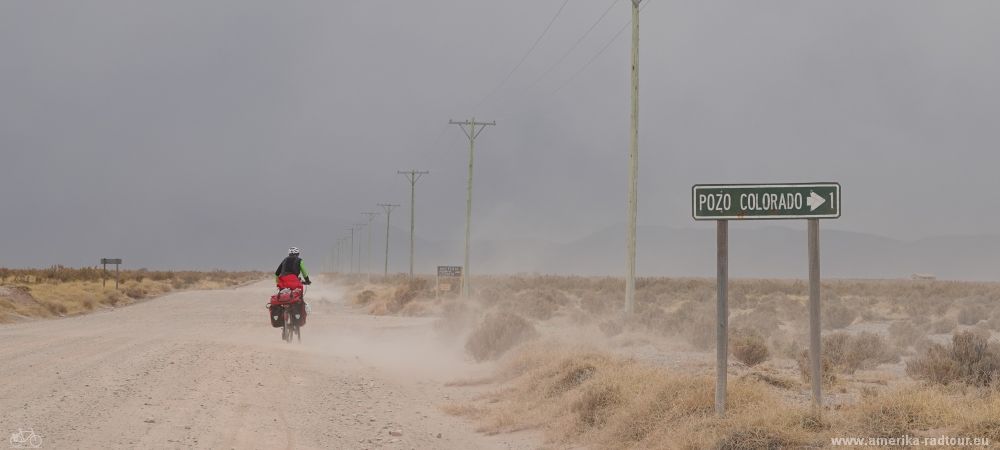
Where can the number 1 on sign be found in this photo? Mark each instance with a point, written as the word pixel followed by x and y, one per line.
pixel 833 198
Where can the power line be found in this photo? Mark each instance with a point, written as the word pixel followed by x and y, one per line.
pixel 575 44
pixel 523 58
pixel 599 53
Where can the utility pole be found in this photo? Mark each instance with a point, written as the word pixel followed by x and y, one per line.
pixel 368 261
pixel 340 253
pixel 388 207
pixel 359 226
pixel 350 263
pixel 633 168
pixel 469 128
pixel 412 176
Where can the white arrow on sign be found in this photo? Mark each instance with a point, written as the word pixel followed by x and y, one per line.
pixel 814 201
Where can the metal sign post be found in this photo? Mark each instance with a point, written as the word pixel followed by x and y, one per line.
pixel 725 202
pixel 722 314
pixel 105 262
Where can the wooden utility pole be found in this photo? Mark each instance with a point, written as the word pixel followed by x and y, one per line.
pixel 412 175
pixel 633 169
pixel 368 261
pixel 387 207
pixel 469 128
pixel 350 263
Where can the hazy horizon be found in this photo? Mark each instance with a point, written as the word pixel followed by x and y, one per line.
pixel 218 134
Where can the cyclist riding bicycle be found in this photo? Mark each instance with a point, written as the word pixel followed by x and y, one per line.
pixel 289 271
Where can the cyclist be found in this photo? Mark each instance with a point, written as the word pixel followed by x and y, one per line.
pixel 289 271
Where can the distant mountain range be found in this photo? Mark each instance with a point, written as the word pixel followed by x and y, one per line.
pixel 772 251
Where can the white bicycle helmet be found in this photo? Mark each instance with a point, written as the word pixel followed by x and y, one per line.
pixel 293 251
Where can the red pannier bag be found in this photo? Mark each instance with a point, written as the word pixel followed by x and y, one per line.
pixel 287 297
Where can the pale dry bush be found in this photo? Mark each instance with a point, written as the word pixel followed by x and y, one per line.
pixel 749 348
pixel 864 350
pixel 394 296
pixel 837 316
pixel 762 321
pixel 539 304
pixel 497 333
pixel 971 358
pixel 994 321
pixel 611 328
pixel 905 333
pixel 971 314
pixel 943 325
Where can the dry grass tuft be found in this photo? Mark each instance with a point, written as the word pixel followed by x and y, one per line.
pixel 904 413
pixel 62 291
pixel 497 333
pixel 580 397
pixel 749 349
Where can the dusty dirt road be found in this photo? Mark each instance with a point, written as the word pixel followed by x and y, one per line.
pixel 204 369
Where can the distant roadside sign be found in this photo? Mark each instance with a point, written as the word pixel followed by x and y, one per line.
pixel 765 201
pixel 105 261
pixel 449 274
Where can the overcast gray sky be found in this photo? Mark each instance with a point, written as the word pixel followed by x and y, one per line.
pixel 216 134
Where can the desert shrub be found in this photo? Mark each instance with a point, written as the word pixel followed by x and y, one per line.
pixel 497 333
pixel 55 307
pixel 364 297
pixel 595 303
pixel 905 333
pixel 971 358
pixel 757 437
pixel 749 348
pixel 135 291
pixel 456 317
pixel 865 350
pixel 597 404
pixel 943 325
pixel 406 293
pixel 763 321
pixel 935 365
pixel 826 367
pixel 837 316
pixel 611 328
pixel 994 321
pixel 539 303
pixel 971 314
pixel 700 331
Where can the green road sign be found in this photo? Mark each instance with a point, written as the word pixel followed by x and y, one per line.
pixel 765 201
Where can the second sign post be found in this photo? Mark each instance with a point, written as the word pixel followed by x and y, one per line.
pixel 725 202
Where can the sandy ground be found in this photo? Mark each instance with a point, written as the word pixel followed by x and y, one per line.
pixel 204 369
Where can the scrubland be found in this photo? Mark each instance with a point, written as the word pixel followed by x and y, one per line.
pixel 915 358
pixel 62 291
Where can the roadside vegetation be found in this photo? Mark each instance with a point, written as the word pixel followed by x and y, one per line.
pixel 63 291
pixel 916 357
